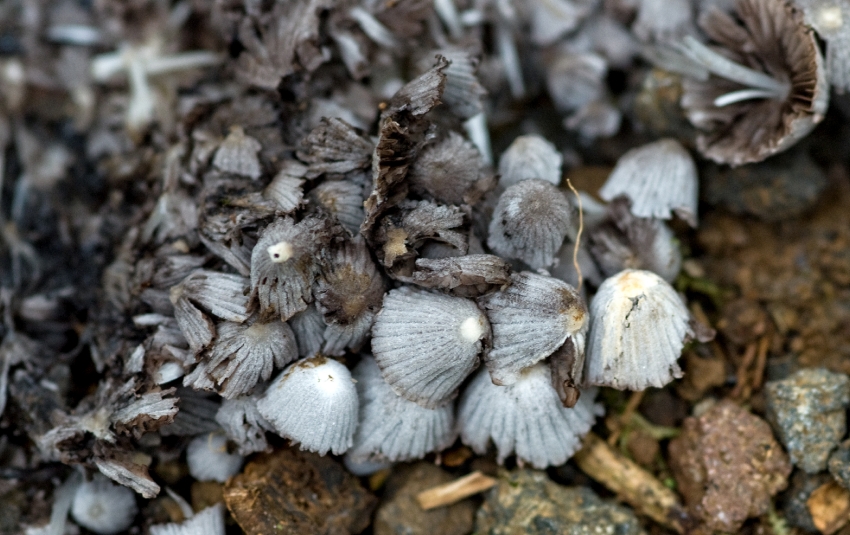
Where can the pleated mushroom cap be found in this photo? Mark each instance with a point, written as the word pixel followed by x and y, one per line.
pixel 313 402
pixel 103 507
pixel 393 428
pixel 530 222
pixel 638 327
pixel 427 343
pixel 209 460
pixel 526 418
pixel 530 319
pixel 659 179
pixel 530 156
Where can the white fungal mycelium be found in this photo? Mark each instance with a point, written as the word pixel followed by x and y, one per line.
pixel 393 428
pixel 209 459
pixel 313 402
pixel 638 327
pixel 427 343
pixel 526 418
pixel 103 507
pixel 659 179
pixel 530 319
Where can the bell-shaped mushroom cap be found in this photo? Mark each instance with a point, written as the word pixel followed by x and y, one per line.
pixel 208 459
pixel 530 156
pixel 243 355
pixel 210 521
pixel 283 266
pixel 237 154
pixel 309 328
pixel 764 92
pixel 638 326
pixel 426 343
pixel 530 222
pixel 103 507
pixel 526 418
pixel 343 200
pixel 313 402
pixel 243 424
pixel 659 178
pixel 393 428
pixel 286 187
pixel 451 171
pixel 463 92
pixel 530 319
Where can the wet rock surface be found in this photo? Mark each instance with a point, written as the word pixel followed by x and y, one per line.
pixel 528 502
pixel 728 466
pixel 294 492
pixel 808 412
pixel 400 513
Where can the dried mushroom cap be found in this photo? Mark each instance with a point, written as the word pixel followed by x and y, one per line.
pixel 638 326
pixel 196 415
pixel 335 147
pixel 103 507
pixel 451 171
pixel 313 402
pixel 283 266
pixel 210 521
pixel 237 154
pixel 243 424
pixel 464 276
pixel 343 200
pixel 526 418
pixel 629 242
pixel 426 343
pixel 765 92
pixel 209 460
pixel 530 222
pixel 530 156
pixel 566 365
pixel 401 233
pixel 659 179
pixel 393 428
pixel 286 187
pixel 530 319
pixel 244 355
pixel 348 293
pixel 463 92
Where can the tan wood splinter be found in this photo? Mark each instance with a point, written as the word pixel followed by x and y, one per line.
pixel 454 491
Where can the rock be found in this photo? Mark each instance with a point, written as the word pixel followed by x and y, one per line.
pixel 808 411
pixel 400 513
pixel 794 500
pixel 527 502
pixel 728 466
pixel 291 492
pixel 829 506
pixel 839 464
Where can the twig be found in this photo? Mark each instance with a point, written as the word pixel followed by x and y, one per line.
pixel 454 491
pixel 578 234
pixel 631 483
pixel 761 362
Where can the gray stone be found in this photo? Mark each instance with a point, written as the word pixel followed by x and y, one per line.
pixel 527 502
pixel 839 464
pixel 794 500
pixel 808 412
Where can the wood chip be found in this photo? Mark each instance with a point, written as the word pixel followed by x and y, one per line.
pixel 829 506
pixel 455 491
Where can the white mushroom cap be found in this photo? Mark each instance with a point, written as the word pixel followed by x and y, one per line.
pixel 660 178
pixel 638 327
pixel 529 223
pixel 530 319
pixel 313 402
pixel 103 507
pixel 208 459
pixel 526 418
pixel 243 424
pixel 393 428
pixel 426 343
pixel 530 156
pixel 210 521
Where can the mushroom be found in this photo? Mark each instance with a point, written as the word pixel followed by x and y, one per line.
pixel 530 156
pixel 209 460
pixel 103 507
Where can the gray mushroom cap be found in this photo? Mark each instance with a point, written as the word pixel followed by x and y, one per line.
pixel 638 326
pixel 427 343
pixel 659 179
pixel 103 507
pixel 313 402
pixel 209 460
pixel 526 418
pixel 530 156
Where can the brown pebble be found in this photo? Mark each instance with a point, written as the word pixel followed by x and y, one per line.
pixel 206 494
pixel 728 466
pixel 829 506
pixel 291 492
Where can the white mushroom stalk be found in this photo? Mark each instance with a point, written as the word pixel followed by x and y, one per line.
pixel 758 84
pixel 373 28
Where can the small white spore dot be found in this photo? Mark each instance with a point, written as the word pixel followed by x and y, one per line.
pixel 471 329
pixel 280 252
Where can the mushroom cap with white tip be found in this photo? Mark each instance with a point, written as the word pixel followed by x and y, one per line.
pixel 103 507
pixel 208 459
pixel 313 402
pixel 393 428
pixel 638 327
pixel 426 343
pixel 659 178
pixel 526 418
